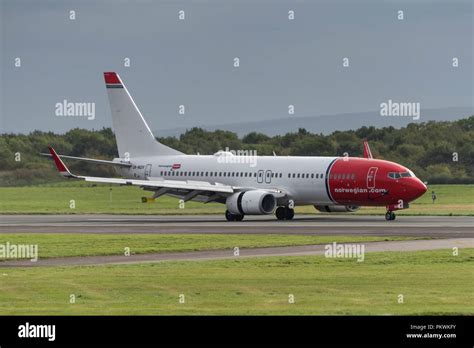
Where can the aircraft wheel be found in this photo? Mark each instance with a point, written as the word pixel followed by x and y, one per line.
pixel 393 216
pixel 233 217
pixel 390 215
pixel 290 213
pixel 238 217
pixel 280 213
pixel 229 216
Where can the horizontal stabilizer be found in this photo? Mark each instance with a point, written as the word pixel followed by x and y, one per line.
pixel 91 160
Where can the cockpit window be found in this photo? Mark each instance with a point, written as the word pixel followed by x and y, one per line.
pixel 397 175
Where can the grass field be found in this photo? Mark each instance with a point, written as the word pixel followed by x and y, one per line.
pixel 58 245
pixel 56 199
pixel 431 282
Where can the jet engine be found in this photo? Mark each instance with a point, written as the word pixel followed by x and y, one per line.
pixel 337 208
pixel 254 202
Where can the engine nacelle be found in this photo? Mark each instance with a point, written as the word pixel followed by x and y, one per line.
pixel 255 202
pixel 337 208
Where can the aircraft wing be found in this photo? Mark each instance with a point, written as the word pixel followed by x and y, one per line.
pixel 187 189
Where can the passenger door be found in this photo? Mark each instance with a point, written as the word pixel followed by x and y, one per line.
pixel 147 170
pixel 268 176
pixel 260 176
pixel 371 177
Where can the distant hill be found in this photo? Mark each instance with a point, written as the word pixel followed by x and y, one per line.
pixel 327 124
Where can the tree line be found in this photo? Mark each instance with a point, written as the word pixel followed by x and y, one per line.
pixel 438 152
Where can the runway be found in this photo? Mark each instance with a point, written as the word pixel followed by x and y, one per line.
pixel 416 226
pixel 412 245
pixel 447 232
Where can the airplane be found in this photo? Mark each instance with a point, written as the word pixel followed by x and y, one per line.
pixel 247 185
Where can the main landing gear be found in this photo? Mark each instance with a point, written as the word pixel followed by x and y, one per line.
pixel 390 215
pixel 284 213
pixel 233 217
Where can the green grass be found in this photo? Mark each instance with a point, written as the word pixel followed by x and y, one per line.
pixel 432 282
pixel 59 245
pixel 55 199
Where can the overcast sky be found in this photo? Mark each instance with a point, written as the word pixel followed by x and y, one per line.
pixel 190 62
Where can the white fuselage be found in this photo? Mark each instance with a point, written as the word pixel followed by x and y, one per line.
pixel 303 178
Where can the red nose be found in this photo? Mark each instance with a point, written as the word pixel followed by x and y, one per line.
pixel 416 188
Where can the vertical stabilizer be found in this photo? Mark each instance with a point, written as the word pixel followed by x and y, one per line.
pixel 134 137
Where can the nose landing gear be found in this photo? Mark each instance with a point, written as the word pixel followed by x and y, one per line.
pixel 284 213
pixel 390 215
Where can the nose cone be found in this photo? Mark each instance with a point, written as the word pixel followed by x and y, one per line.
pixel 417 188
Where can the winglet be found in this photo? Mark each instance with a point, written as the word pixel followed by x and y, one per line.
pixel 60 164
pixel 367 152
